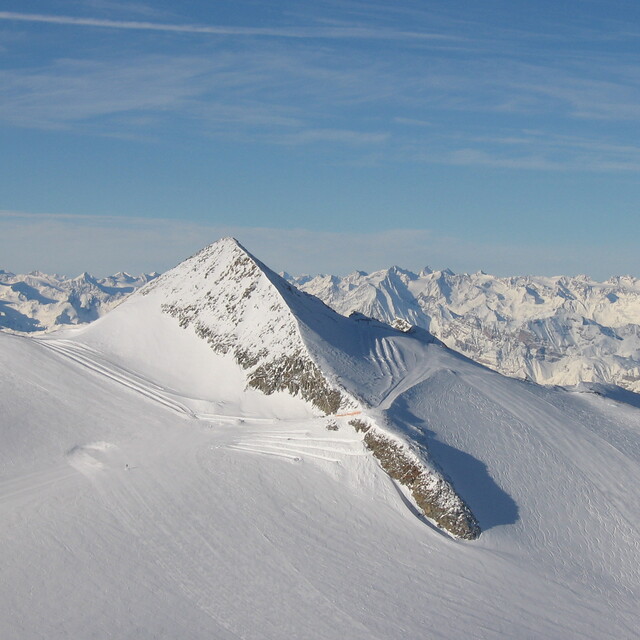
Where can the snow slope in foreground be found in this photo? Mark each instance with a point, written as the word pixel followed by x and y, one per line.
pixel 265 529
pixel 242 515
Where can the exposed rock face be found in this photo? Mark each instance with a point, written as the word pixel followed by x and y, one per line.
pixel 433 494
pixel 286 340
pixel 299 376
pixel 230 300
pixel 402 325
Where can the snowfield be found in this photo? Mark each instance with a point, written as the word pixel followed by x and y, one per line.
pixel 147 491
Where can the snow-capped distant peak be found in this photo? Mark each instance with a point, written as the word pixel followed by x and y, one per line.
pixel 553 330
pixel 41 302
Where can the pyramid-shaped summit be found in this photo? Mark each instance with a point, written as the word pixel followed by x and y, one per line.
pixel 241 307
pixel 274 339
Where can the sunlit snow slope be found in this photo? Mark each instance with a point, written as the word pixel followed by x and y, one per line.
pixel 147 491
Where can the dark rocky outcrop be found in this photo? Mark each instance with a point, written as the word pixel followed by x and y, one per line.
pixel 298 375
pixel 433 494
pixel 242 309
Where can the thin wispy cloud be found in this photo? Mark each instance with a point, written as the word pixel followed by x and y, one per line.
pixel 122 7
pixel 413 122
pixel 348 136
pixel 341 112
pixel 542 150
pixel 230 96
pixel 303 97
pixel 72 91
pixel 350 32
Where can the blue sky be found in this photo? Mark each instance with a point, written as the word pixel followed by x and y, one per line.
pixel 327 136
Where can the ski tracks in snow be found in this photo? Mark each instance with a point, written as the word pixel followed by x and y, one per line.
pixel 93 360
pixel 390 363
pixel 299 444
pixel 295 445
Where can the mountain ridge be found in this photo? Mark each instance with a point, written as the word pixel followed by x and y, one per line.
pixel 552 330
pixel 287 341
pixel 36 301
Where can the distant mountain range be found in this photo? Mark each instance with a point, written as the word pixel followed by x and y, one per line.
pixel 42 302
pixel 561 330
pixel 552 330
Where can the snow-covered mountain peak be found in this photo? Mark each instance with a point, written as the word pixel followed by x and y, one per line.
pixel 395 270
pixel 270 337
pixel 120 476
pixel 244 309
pixel 142 462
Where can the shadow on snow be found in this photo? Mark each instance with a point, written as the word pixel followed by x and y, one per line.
pixel 490 504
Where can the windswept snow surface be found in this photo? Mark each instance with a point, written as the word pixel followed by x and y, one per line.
pixel 145 492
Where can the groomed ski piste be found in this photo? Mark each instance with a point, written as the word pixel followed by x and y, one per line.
pixel 146 492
